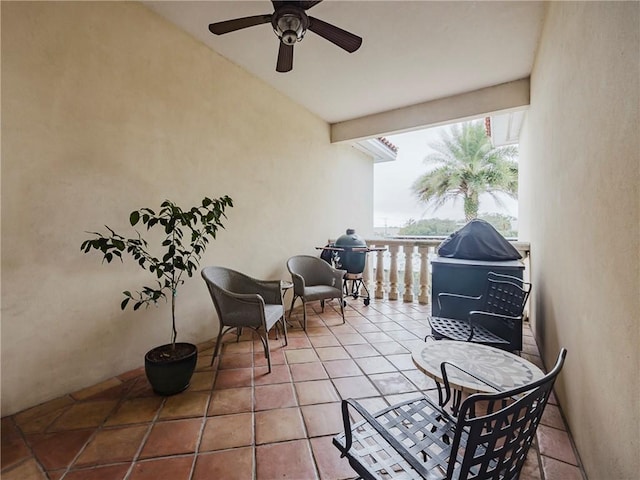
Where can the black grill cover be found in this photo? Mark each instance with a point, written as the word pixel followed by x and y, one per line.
pixel 478 240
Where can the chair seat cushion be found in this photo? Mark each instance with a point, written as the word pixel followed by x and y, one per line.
pixel 461 330
pixel 320 292
pixel 272 314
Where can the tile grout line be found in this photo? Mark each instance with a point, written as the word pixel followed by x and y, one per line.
pixel 205 417
pixel 29 448
pixel 97 430
pixel 136 455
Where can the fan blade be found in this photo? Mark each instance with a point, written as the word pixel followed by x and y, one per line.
pixel 345 40
pixel 305 5
pixel 227 26
pixel 285 58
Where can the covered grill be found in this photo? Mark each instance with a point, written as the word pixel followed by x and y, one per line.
pixel 349 252
pixel 466 257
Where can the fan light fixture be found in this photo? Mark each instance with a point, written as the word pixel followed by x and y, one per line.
pixel 290 24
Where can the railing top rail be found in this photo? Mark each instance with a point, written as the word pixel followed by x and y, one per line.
pixel 523 247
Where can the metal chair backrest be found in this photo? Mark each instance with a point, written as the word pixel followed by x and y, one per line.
pixel 495 445
pixel 505 295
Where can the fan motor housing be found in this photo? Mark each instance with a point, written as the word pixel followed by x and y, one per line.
pixel 290 23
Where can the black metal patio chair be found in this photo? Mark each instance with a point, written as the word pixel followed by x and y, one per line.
pixel 489 438
pixel 494 318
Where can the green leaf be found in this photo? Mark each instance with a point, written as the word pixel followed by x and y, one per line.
pixel 134 217
pixel 124 303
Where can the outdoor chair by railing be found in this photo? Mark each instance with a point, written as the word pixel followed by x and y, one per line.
pixel 489 438
pixel 314 279
pixel 242 301
pixel 494 318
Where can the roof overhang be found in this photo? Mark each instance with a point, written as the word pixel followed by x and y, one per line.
pixel 380 149
pixel 504 129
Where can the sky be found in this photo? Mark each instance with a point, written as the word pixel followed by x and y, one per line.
pixel 394 203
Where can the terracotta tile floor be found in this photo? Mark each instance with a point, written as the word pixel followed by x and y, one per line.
pixel 237 421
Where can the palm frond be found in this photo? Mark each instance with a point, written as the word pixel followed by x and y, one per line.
pixel 466 165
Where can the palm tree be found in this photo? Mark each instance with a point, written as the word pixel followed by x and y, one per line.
pixel 467 166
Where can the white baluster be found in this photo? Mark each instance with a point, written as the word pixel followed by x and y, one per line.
pixel 379 275
pixel 408 274
pixel 393 273
pixel 423 296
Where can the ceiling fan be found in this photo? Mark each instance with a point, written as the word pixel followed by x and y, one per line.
pixel 290 22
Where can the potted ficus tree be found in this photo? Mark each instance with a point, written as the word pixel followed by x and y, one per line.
pixel 186 235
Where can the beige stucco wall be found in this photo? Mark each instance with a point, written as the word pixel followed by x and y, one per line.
pixel 580 208
pixel 106 108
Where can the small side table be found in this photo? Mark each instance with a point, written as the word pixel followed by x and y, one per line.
pixel 285 286
pixel 501 369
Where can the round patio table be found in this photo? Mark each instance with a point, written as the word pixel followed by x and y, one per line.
pixel 503 370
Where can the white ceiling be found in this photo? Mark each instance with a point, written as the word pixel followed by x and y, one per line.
pixel 412 51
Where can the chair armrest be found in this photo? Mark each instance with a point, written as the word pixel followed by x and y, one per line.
pixel 445 377
pixel 240 308
pixel 447 387
pixel 298 284
pixel 453 305
pixel 338 277
pixel 504 326
pixel 269 290
pixel 243 298
pixel 415 463
pixel 481 318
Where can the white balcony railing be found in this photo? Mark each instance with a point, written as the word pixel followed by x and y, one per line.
pixel 403 270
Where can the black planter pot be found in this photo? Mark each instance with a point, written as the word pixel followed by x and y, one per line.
pixel 169 368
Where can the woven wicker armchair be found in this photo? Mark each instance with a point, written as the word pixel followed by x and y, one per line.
pixel 314 279
pixel 242 301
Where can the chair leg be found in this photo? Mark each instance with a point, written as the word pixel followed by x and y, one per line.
pixel 341 300
pixel 268 353
pixel 265 345
pixel 293 301
pixel 217 349
pixel 304 315
pixel 284 329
